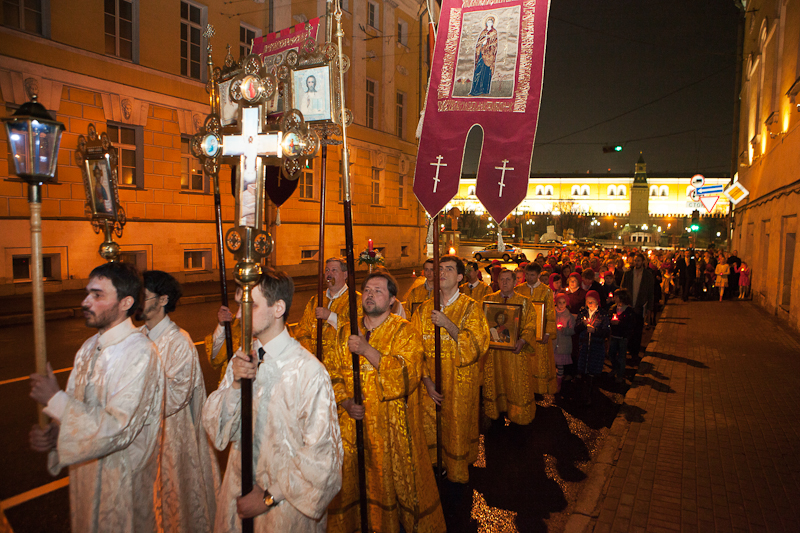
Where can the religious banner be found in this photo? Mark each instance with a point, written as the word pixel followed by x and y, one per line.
pixel 487 72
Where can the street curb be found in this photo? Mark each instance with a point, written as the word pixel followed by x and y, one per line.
pixel 586 511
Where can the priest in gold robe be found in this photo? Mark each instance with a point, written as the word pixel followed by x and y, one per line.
pixel 508 384
pixel 189 469
pixel 543 364
pixel 216 350
pixel 419 292
pixel 474 287
pixel 335 308
pixel 465 339
pixel 107 424
pixel 401 488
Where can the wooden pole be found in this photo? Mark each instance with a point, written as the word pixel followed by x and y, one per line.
pixel 247 393
pixel 37 286
pixel 351 280
pixel 437 344
pixel 321 252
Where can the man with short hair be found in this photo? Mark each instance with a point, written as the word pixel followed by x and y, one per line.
pixel 420 292
pixel 543 362
pixel 474 287
pixel 508 384
pixel 465 339
pixel 687 272
pixel 401 488
pixel 107 424
pixel 297 447
pixel 640 283
pixel 335 309
pixel 189 469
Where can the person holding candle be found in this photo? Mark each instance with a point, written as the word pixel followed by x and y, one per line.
pixel 609 288
pixel 744 280
pixel 592 326
pixel 622 320
pixel 565 328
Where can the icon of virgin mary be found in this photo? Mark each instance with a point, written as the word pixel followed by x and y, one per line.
pixel 485 55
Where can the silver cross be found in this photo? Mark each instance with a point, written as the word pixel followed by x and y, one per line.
pixel 438 165
pixel 502 182
pixel 209 31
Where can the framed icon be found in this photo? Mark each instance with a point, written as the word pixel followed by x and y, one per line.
pixel 100 188
pixel 228 108
pixel 539 307
pixel 503 320
pixel 312 92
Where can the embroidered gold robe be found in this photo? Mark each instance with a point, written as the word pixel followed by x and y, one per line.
pixel 220 360
pixel 306 330
pixel 189 469
pixel 400 484
pixel 478 293
pixel 460 382
pixel 508 383
pixel 416 295
pixel 543 363
pixel 110 435
pixel 297 447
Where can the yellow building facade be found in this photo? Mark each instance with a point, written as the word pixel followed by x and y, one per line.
pixel 765 231
pixel 136 69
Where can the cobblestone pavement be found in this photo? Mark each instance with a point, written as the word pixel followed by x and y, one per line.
pixel 711 427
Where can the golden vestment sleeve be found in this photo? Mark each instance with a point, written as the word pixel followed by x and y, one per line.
pixel 473 334
pixel 306 330
pixel 221 359
pixel 401 364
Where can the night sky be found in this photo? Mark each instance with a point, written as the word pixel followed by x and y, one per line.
pixel 668 66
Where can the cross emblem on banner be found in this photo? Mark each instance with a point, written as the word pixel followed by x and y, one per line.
pixel 438 165
pixel 251 143
pixel 502 182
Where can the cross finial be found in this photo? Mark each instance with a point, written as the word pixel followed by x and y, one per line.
pixel 209 31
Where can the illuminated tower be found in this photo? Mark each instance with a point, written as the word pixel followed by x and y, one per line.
pixel 640 198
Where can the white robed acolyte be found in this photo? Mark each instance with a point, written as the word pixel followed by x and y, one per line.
pixel 297 446
pixel 110 434
pixel 189 469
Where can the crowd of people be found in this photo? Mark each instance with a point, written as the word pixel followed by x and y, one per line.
pixel 137 430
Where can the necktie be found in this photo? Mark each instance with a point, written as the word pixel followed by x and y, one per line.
pixel 261 353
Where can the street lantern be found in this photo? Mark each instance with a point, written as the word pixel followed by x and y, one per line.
pixel 34 138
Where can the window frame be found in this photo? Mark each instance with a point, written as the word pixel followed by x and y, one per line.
pixel 400 113
pixel 134 31
pixel 205 255
pixel 401 191
pixel 203 22
pixel 376 178
pixel 370 103
pixel 55 266
pixel 138 149
pixel 189 156
pixel 45 19
pixel 302 185
pixel 257 32
pixel 375 14
pixel 402 32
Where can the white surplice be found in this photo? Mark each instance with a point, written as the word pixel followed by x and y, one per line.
pixel 189 469
pixel 297 446
pixel 110 435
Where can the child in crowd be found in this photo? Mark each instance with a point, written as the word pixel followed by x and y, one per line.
pixel 565 327
pixel 744 280
pixel 622 323
pixel 593 328
pixel 609 288
pixel 666 283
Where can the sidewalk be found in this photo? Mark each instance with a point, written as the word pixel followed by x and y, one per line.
pixel 710 429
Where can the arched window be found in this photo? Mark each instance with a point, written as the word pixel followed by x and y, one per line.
pixel 584 190
pixel 622 190
pixel 663 190
pixel 612 190
pixel 576 190
pixel 654 190
pixel 471 191
pixel 548 191
pixel 539 190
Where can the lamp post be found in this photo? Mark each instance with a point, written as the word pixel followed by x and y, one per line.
pixel 34 138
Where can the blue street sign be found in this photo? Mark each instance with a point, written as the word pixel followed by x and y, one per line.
pixel 710 189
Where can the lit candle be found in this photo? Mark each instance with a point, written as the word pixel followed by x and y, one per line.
pixel 615 318
pixel 369 245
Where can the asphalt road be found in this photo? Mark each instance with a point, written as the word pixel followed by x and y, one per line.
pixel 527 478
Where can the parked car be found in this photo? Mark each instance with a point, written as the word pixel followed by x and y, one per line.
pixel 491 252
pixel 552 242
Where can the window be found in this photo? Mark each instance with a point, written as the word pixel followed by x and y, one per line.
pixel 308 255
pixel 622 191
pixel 119 28
pixel 135 258
pixel 127 141
pixel 584 190
pixel 21 267
pixel 401 191
pixel 192 22
pixel 548 190
pixel 26 15
pixel 372 15
pixel 653 190
pixel 471 190
pixel 576 190
pixel 612 190
pixel 191 169
pixel 370 123
pixel 663 190
pixel 402 32
pixel 375 187
pixel 197 260
pixel 789 242
pixel 539 191
pixel 305 184
pixel 401 98
pixel 246 36
pixel 404 251
pixel 346 5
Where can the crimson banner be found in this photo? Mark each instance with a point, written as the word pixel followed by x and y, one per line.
pixel 487 72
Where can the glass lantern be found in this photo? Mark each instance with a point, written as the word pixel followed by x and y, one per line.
pixel 34 138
